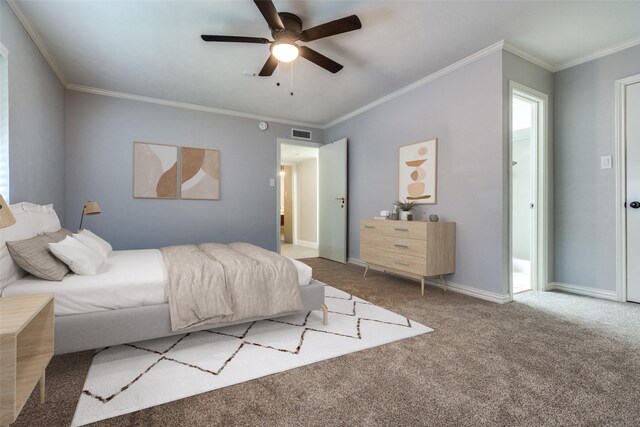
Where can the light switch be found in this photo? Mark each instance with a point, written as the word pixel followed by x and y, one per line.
pixel 605 162
pixel 272 182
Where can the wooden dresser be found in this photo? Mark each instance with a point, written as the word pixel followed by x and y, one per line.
pixel 416 249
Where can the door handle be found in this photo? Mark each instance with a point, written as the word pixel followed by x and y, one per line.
pixel 634 205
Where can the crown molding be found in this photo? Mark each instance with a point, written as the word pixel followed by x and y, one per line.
pixel 527 56
pixel 599 54
pixel 413 86
pixel 185 105
pixel 40 44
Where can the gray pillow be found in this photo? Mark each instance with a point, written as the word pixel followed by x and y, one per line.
pixel 33 256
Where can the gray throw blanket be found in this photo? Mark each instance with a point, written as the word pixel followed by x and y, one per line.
pixel 212 283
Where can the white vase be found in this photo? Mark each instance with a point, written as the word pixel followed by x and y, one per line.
pixel 406 215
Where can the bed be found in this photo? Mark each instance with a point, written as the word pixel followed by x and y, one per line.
pixel 125 302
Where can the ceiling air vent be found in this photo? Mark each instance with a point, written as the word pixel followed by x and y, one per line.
pixel 301 134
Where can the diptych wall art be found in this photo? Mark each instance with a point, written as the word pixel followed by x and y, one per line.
pixel 155 171
pixel 200 175
pixel 417 172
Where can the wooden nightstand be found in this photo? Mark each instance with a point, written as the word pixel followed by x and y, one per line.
pixel 26 347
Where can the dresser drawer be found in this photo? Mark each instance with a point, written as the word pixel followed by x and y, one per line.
pixel 393 260
pixel 401 245
pixel 408 229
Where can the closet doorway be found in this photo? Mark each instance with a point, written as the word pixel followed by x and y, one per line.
pixel 298 199
pixel 527 184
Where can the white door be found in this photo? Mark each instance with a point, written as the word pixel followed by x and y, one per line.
pixel 332 176
pixel 633 192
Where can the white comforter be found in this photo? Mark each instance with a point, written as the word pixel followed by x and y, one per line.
pixel 127 279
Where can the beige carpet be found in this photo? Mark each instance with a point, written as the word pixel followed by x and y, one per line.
pixel 543 360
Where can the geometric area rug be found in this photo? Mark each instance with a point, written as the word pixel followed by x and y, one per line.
pixel 131 377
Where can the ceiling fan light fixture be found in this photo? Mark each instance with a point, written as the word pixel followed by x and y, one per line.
pixel 285 51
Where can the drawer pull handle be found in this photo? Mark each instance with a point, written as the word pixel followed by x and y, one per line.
pixel 401 246
pixel 369 226
pixel 401 229
pixel 402 263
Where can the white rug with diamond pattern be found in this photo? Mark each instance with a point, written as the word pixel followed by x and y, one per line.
pixel 132 377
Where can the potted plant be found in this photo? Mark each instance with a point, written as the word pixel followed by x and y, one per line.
pixel 405 209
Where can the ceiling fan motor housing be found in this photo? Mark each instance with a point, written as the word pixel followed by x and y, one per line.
pixel 292 27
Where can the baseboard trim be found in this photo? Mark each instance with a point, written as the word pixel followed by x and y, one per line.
pixel 307 244
pixel 455 287
pixel 583 290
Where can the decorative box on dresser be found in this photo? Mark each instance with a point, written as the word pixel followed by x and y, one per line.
pixel 416 249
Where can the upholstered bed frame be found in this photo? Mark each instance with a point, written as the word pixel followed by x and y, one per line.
pixel 78 332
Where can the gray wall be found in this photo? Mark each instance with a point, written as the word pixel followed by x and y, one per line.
pixel 36 120
pixel 585 194
pixel 524 72
pixel 100 134
pixel 464 111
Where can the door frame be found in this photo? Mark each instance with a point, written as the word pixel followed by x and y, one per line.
pixel 540 232
pixel 279 142
pixel 620 154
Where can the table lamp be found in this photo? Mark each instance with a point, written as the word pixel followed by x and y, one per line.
pixel 90 208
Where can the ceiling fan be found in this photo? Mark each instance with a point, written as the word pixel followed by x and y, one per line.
pixel 286 30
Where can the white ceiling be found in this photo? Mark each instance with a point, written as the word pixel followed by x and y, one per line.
pixel 295 153
pixel 153 48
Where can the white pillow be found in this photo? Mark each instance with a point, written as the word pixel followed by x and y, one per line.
pixel 79 257
pixel 43 218
pixel 95 242
pixel 9 270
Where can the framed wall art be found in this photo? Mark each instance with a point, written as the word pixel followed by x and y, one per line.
pixel 200 174
pixel 418 172
pixel 155 171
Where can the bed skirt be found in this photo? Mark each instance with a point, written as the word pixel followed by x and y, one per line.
pixel 88 331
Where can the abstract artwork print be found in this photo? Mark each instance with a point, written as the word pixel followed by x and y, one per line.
pixel 417 172
pixel 155 171
pixel 200 176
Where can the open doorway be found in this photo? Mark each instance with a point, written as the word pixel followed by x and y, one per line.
pixel 528 184
pixel 298 196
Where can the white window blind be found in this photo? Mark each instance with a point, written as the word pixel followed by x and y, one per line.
pixel 4 125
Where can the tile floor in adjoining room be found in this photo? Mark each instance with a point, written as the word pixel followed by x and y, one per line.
pixel 296 251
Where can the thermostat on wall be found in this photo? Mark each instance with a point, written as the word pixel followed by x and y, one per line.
pixel 263 125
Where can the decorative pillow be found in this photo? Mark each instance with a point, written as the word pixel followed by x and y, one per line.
pixel 98 244
pixel 79 257
pixel 33 256
pixel 31 220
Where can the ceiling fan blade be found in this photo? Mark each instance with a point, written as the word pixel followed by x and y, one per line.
pixel 332 28
pixel 319 59
pixel 235 39
pixel 270 14
pixel 269 66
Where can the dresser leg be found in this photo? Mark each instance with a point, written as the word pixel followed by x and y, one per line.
pixel 325 314
pixel 422 285
pixel 444 282
pixel 365 271
pixel 41 383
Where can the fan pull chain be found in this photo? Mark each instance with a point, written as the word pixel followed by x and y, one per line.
pixel 278 74
pixel 291 78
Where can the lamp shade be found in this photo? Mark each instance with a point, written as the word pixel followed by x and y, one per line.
pixel 91 208
pixel 6 216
